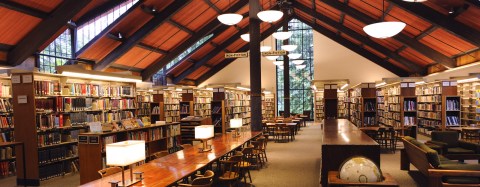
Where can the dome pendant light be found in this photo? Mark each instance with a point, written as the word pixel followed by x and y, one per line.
pixel 270 16
pixel 289 47
pixel 230 18
pixel 384 29
pixel 245 37
pixel 282 35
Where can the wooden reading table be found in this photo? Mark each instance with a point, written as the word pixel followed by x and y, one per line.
pixel 167 170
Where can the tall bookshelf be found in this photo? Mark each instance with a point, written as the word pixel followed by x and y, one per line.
pixel 330 101
pixel 92 145
pixel 202 103
pixel 269 106
pixel 438 106
pixel 469 93
pixel 397 106
pixel 238 105
pixel 7 153
pixel 146 106
pixel 363 105
pixel 55 109
pixel 342 109
pixel 171 101
pixel 319 105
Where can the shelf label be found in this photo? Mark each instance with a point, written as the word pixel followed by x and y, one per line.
pixel 403 85
pixel 93 139
pixel 22 99
pixel 411 85
pixel 16 79
pixel 27 78
pixel 453 83
pixel 82 139
pixel 327 86
pixel 334 86
pixel 274 53
pixel 445 83
pixel 236 55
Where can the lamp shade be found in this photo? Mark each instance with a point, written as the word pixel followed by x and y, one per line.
pixel 270 15
pixel 236 123
pixel 289 47
pixel 265 48
pixel 278 63
pixel 384 29
pixel 204 132
pixel 297 62
pixel 294 55
pixel 271 57
pixel 125 153
pixel 245 37
pixel 281 67
pixel 282 35
pixel 229 18
pixel 301 66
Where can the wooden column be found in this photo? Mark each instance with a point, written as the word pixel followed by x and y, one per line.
pixel 255 67
pixel 286 78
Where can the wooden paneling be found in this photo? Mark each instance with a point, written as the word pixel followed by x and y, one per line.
pixel 45 6
pixel 202 51
pixel 371 8
pixel 381 55
pixel 389 43
pixel 468 17
pixel 180 68
pixel 236 45
pixel 196 23
pixel 100 49
pixel 225 35
pixel 468 58
pixel 415 56
pixel 3 56
pixel 192 11
pixel 436 68
pixel 160 35
pixel 398 64
pixel 197 73
pixel 415 26
pixel 323 24
pixel 217 59
pixel 138 57
pixel 88 8
pixel 446 43
pixel 132 22
pixel 354 24
pixel 15 25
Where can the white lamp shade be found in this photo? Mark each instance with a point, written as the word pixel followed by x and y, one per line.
pixel 281 67
pixel 236 123
pixel 265 48
pixel 125 153
pixel 384 29
pixel 297 62
pixel 289 47
pixel 204 132
pixel 278 63
pixel 294 55
pixel 282 35
pixel 270 15
pixel 245 37
pixel 301 66
pixel 230 18
pixel 271 57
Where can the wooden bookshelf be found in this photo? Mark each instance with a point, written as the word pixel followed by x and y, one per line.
pixel 330 101
pixel 7 150
pixel 202 103
pixel 92 145
pixel 342 108
pixel 438 106
pixel 238 105
pixel 319 105
pixel 269 106
pixel 187 127
pixel 363 105
pixel 171 102
pixel 397 107
pixel 219 116
pixel 469 93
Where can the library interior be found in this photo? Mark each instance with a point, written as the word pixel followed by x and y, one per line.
pixel 214 93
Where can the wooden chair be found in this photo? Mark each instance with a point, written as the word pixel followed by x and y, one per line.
pixel 229 169
pixel 281 132
pixel 160 154
pixel 260 149
pixel 109 171
pixel 245 164
pixel 204 180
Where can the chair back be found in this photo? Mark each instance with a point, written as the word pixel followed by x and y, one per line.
pixel 205 181
pixel 448 137
pixel 109 171
pixel 231 166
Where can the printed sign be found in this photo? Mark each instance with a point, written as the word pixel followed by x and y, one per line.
pixel 274 53
pixel 236 55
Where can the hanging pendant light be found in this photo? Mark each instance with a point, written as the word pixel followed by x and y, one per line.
pixel 282 35
pixel 289 47
pixel 281 67
pixel 278 63
pixel 245 37
pixel 298 62
pixel 294 55
pixel 271 57
pixel 301 66
pixel 230 18
pixel 265 48
pixel 270 16
pixel 384 29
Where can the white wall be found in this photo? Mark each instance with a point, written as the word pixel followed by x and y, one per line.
pixel 239 72
pixel 333 61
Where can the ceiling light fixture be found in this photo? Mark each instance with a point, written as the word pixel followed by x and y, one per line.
pixel 298 62
pixel 301 66
pixel 282 35
pixel 271 57
pixel 281 67
pixel 245 37
pixel 230 18
pixel 270 16
pixel 265 48
pixel 278 63
pixel 384 29
pixel 289 47
pixel 294 55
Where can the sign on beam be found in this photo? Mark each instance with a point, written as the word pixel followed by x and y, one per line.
pixel 274 53
pixel 236 55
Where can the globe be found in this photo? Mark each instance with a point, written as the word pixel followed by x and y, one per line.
pixel 360 170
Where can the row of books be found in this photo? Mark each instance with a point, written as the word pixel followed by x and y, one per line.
pixel 369 121
pixel 392 122
pixel 395 116
pixel 429 123
pixel 6 153
pixel 429 107
pixel 48 88
pixel 380 99
pixel 68 104
pixel 55 154
pixel 428 90
pixel 47 139
pixel 7 168
pixel 58 169
pixel 5 90
pixel 7 136
pixel 108 140
pixel 369 106
pixel 394 107
pixel 452 121
pixel 431 115
pixel 184 109
pixel 452 104
pixel 394 99
pixel 145 98
pixel 138 135
pixel 172 113
pixel 5 105
pixel 155 134
pixel 409 120
pixel 169 119
pixel 202 99
pixel 6 122
pixel 409 105
pixel 201 106
pixel 430 98
pixel 172 107
pixel 393 90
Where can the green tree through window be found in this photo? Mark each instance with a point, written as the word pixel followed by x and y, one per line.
pixel 300 79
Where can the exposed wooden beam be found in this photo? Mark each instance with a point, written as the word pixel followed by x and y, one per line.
pixel 181 27
pixel 213 6
pixel 151 48
pixel 97 11
pixel 245 47
pixel 115 37
pixel 356 48
pixel 448 23
pixel 24 9
pixel 403 38
pixel 125 68
pixel 364 40
pixel 213 26
pixel 44 30
pixel 5 47
pixel 136 37
pixel 426 32
pixel 107 29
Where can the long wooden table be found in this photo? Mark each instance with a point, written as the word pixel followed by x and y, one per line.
pixel 343 140
pixel 166 171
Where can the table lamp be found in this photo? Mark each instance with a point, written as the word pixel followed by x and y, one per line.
pixel 236 123
pixel 204 133
pixel 125 153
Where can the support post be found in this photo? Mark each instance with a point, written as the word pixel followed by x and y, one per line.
pixel 286 78
pixel 255 67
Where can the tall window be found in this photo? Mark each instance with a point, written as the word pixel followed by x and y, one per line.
pixel 300 79
pixel 159 77
pixel 92 28
pixel 56 54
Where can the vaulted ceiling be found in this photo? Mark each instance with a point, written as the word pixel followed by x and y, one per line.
pixel 437 32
